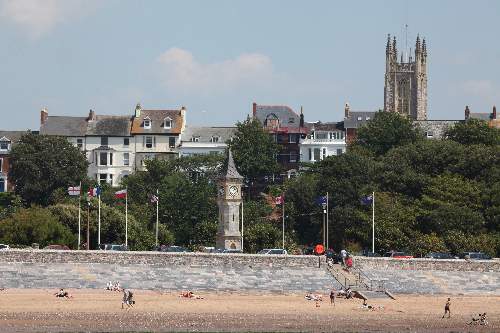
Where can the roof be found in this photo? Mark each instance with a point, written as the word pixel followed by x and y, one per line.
pixel 328 126
pixel 288 119
pixel 205 134
pixel 64 126
pixel 231 171
pixel 358 118
pixel 109 126
pixel 12 136
pixel 480 115
pixel 157 118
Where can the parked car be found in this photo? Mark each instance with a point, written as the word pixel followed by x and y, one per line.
pixel 475 256
pixel 272 251
pixel 174 248
pixel 4 247
pixel 113 247
pixel 232 251
pixel 439 255
pixel 56 247
pixel 397 255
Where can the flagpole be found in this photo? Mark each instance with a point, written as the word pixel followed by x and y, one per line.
pixel 126 216
pixel 99 220
pixel 283 201
pixel 327 221
pixel 373 222
pixel 157 201
pixel 242 222
pixel 79 215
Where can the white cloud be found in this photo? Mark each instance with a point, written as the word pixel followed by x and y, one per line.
pixel 180 71
pixel 37 17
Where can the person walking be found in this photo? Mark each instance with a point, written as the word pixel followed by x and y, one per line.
pixel 333 294
pixel 343 253
pixel 447 308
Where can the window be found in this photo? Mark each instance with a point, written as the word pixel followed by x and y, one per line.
pixel 126 142
pixel 147 123
pixel 310 154
pixel 367 118
pixel 338 135
pixel 171 141
pixel 104 141
pixel 214 139
pixel 340 151
pixel 167 123
pixel 149 142
pixel 321 135
pixel 293 138
pixel 110 158
pixel 79 143
pixel 126 159
pixel 213 152
pixel 195 139
pixel 2 185
pixel 430 134
pixel 1 164
pixel 103 158
pixel 324 153
pixel 103 178
pixel 317 154
pixel 293 156
pixel 360 118
pixel 4 145
pixel 111 179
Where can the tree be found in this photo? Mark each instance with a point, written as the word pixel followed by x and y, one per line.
pixel 387 130
pixel 35 225
pixel 254 150
pixel 41 164
pixel 474 131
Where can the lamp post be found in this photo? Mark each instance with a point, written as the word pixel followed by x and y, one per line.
pixel 88 225
pixel 324 223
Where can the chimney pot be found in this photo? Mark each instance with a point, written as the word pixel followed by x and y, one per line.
pixel 91 115
pixel 347 110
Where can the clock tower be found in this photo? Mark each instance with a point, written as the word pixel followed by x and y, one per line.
pixel 229 202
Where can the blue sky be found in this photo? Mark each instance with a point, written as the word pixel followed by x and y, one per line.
pixel 217 57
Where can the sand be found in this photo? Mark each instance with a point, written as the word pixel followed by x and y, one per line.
pixel 100 311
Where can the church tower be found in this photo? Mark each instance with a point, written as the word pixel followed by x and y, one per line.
pixel 405 89
pixel 229 201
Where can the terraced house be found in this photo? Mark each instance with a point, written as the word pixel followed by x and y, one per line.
pixel 116 146
pixel 7 140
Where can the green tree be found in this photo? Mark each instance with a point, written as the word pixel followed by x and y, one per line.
pixel 254 150
pixel 35 225
pixel 474 131
pixel 387 130
pixel 41 164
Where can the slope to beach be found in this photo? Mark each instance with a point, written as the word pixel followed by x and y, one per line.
pixel 90 310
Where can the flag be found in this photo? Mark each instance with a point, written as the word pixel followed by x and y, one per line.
pixel 94 191
pixel 279 200
pixel 367 200
pixel 321 200
pixel 153 198
pixel 74 190
pixel 121 194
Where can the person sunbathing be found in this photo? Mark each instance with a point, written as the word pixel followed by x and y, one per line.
pixel 63 293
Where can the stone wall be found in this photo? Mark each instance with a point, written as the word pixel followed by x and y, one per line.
pixel 164 271
pixel 428 264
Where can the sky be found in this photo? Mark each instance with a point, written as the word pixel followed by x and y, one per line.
pixel 218 57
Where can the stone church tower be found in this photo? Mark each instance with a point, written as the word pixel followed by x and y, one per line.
pixel 229 202
pixel 405 89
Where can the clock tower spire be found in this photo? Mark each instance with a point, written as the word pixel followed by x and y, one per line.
pixel 229 202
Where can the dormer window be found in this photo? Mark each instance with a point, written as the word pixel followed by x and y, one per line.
pixel 4 145
pixel 167 123
pixel 195 139
pixel 214 139
pixel 291 120
pixel 147 123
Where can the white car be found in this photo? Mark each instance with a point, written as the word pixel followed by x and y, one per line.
pixel 272 251
pixel 4 247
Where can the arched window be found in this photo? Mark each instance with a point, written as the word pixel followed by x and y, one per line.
pixel 167 123
pixel 147 123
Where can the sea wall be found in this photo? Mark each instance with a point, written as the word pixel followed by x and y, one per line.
pixel 460 265
pixel 164 271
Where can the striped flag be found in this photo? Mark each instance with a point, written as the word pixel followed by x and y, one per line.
pixel 279 200
pixel 121 194
pixel 94 191
pixel 74 190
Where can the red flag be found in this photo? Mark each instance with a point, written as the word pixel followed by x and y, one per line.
pixel 121 194
pixel 279 200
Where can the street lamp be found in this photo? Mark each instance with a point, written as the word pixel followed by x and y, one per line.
pixel 325 226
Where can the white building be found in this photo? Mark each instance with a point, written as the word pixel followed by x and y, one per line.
pixel 116 146
pixel 323 140
pixel 205 140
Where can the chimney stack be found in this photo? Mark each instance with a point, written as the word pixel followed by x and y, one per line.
pixel 494 114
pixel 183 116
pixel 301 117
pixel 91 115
pixel 467 112
pixel 347 110
pixel 254 110
pixel 44 114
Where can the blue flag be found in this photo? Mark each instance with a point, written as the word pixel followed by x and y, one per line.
pixel 321 200
pixel 367 200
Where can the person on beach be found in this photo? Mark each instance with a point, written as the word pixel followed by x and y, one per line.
pixel 447 308
pixel 333 294
pixel 127 298
pixel 343 253
pixel 63 293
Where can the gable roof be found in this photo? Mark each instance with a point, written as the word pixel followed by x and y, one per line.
pixel 12 136
pixel 64 126
pixel 157 118
pixel 204 134
pixel 357 119
pixel 109 126
pixel 288 119
pixel 231 171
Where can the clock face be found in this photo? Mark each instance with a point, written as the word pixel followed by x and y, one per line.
pixel 221 191
pixel 233 190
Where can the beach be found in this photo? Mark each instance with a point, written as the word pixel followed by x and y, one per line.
pixel 90 310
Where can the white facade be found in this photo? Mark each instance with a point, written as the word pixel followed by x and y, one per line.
pixel 321 144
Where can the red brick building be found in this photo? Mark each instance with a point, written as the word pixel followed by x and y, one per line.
pixel 7 140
